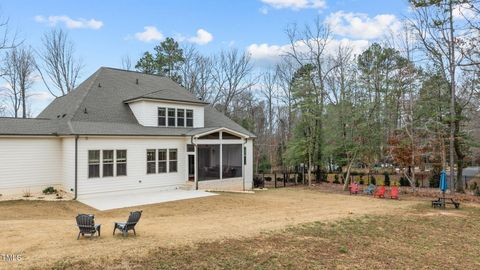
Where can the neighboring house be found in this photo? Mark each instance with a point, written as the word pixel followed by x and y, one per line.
pixel 124 131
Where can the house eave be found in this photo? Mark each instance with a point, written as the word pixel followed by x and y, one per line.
pixel 166 100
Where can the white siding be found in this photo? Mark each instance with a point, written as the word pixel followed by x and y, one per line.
pixel 36 163
pixel 146 112
pixel 29 164
pixel 137 177
pixel 68 163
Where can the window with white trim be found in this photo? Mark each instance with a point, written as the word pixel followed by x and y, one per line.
pixel 172 160
pixel 162 160
pixel 121 160
pixel 162 117
pixel 151 161
pixel 93 163
pixel 180 117
pixel 189 114
pixel 107 160
pixel 171 117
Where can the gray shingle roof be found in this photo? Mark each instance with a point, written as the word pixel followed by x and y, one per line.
pixel 31 126
pixel 98 107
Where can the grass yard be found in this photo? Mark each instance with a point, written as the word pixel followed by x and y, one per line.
pixel 293 228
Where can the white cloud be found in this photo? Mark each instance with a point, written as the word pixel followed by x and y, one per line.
pixel 69 22
pixel 203 37
pixel 151 33
pixel 271 54
pixel 296 4
pixel 263 10
pixel 41 96
pixel 361 26
pixel 463 11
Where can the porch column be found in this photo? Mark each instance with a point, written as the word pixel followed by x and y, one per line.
pixel 195 169
pixel 220 135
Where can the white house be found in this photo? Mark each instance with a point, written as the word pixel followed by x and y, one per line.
pixel 125 131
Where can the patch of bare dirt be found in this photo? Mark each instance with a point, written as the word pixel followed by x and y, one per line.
pixel 45 232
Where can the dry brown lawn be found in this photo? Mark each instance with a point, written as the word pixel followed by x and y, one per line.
pixel 44 233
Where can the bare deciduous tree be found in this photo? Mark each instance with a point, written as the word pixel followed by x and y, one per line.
pixel 126 62
pixel 232 75
pixel 197 74
pixel 58 68
pixel 18 69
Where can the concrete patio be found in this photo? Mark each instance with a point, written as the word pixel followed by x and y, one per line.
pixel 116 200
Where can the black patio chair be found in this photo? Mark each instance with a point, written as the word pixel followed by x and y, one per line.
pixel 124 227
pixel 86 225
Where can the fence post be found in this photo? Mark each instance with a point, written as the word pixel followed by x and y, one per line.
pixel 284 179
pixel 275 176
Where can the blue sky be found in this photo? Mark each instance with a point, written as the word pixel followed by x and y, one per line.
pixel 104 31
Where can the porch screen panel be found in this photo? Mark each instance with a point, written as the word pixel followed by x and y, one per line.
pixel 208 162
pixel 231 160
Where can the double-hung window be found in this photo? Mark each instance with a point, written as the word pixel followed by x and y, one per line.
pixel 171 117
pixel 172 156
pixel 180 117
pixel 93 163
pixel 151 161
pixel 121 162
pixel 107 163
pixel 162 160
pixel 189 118
pixel 162 117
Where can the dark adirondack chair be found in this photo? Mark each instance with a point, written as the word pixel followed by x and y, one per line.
pixel 86 225
pixel 124 227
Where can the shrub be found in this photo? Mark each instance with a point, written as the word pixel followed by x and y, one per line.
pixel 49 190
pixel 434 181
pixel 386 182
pixel 473 186
pixel 268 178
pixel 335 181
pixel 27 193
pixel 361 180
pixel 373 180
pixel 404 182
pixel 258 182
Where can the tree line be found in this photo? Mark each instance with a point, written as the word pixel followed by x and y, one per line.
pixel 410 101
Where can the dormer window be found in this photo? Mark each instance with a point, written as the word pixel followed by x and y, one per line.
pixel 189 118
pixel 174 117
pixel 180 117
pixel 171 117
pixel 162 117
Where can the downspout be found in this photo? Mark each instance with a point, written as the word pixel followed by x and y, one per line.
pixel 76 166
pixel 195 163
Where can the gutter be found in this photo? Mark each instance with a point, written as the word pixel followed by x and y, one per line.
pixel 76 167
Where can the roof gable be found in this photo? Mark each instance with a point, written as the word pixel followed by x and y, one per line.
pixel 98 106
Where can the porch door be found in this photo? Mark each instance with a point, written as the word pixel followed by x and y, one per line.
pixel 191 167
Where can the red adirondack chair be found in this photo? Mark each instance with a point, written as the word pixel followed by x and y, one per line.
pixel 380 192
pixel 353 188
pixel 394 193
